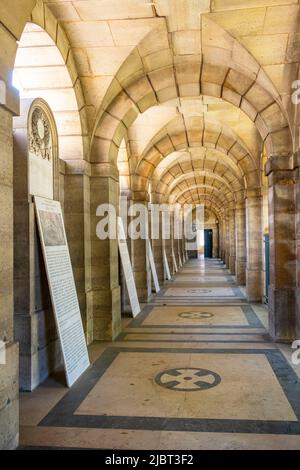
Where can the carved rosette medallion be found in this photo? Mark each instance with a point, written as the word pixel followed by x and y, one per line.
pixel 40 141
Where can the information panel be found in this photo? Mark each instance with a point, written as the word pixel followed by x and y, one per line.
pixel 166 264
pixel 153 268
pixel 127 268
pixel 62 287
pixel 174 261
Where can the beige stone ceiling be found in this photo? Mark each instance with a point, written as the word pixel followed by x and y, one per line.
pixel 195 88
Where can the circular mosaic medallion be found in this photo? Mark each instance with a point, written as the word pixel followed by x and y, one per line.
pixel 188 379
pixel 195 315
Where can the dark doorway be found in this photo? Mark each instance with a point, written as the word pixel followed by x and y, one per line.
pixel 208 243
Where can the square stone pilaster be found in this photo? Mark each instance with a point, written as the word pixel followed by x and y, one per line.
pixel 157 244
pixel 215 229
pixel 101 255
pixel 240 235
pixel 283 184
pixel 140 249
pixel 226 239
pixel 232 241
pixel 74 215
pixel 254 245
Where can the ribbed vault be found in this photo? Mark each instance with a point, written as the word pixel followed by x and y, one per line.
pixel 152 75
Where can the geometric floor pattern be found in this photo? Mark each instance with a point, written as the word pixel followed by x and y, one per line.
pixel 195 370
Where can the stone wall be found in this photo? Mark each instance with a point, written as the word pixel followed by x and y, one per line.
pixel 9 372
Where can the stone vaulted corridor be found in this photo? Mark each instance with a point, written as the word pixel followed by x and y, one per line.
pixel 149 224
pixel 195 370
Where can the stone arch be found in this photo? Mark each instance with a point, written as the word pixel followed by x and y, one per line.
pixel 191 180
pixel 220 142
pixel 206 189
pixel 45 67
pixel 243 167
pixel 199 159
pixel 123 167
pixel 148 78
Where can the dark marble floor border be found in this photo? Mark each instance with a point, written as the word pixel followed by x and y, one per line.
pixel 237 293
pixel 252 318
pixel 63 414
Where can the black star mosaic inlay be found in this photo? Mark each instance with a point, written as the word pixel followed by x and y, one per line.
pixel 188 379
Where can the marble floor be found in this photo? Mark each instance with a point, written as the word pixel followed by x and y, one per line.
pixel 195 370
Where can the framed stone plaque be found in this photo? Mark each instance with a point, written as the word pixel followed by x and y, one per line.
pixel 153 268
pixel 127 268
pixel 62 287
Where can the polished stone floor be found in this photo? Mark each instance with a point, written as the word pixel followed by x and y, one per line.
pixel 195 370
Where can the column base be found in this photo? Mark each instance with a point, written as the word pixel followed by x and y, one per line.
pixel 253 285
pixel 232 264
pixel 9 399
pixel 282 314
pixel 104 307
pixel 40 351
pixel 160 272
pixel 240 272
pixel 226 261
pixel 143 285
pixel 144 296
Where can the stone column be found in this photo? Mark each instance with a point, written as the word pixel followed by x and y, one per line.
pixel 124 201
pixel 282 302
pixel 240 235
pixel 183 252
pixel 9 371
pixel 174 251
pixel 253 244
pixel 221 240
pixel 157 244
pixel 74 208
pixel 215 230
pixel 226 236
pixel 178 252
pixel 102 265
pixel 140 258
pixel 232 242
pixel 167 239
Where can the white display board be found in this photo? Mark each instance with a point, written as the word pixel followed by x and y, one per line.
pixel 153 268
pixel 62 287
pixel 166 265
pixel 127 268
pixel 174 261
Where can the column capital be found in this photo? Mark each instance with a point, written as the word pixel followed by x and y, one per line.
pixel 102 170
pixel 9 98
pixel 282 162
pixel 140 196
pixel 73 167
pixel 252 193
pixel 240 206
pixel 126 193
